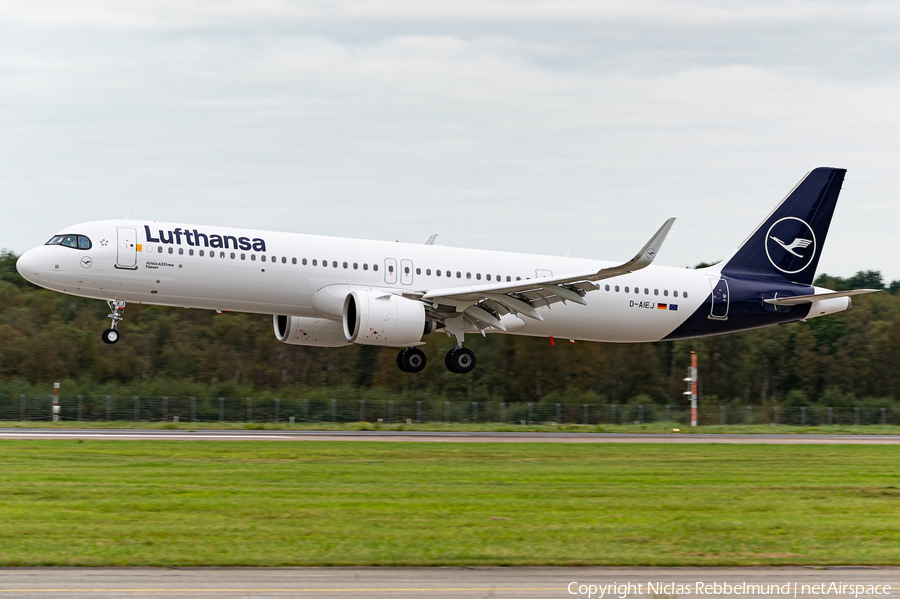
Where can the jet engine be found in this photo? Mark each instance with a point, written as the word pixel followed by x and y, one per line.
pixel 382 318
pixel 315 332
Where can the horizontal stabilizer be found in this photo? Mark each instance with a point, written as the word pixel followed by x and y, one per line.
pixel 796 300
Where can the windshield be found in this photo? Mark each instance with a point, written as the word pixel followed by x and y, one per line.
pixel 79 242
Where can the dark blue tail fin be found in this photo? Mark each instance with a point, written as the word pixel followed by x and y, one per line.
pixel 787 245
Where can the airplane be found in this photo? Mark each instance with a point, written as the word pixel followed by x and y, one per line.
pixel 332 292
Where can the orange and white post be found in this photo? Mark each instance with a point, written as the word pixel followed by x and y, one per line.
pixel 691 380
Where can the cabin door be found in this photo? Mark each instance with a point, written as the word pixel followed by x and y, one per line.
pixel 126 256
pixel 720 300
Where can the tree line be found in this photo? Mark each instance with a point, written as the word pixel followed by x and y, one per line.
pixel 840 360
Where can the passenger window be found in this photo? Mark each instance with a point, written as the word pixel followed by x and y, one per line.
pixel 243 256
pixel 84 243
pixel 375 267
pixel 315 263
pixel 478 276
pixel 508 278
pixel 617 289
pixel 355 266
pixel 437 272
pixel 171 250
pixel 518 278
pixel 447 274
pixel 656 292
pixel 418 271
pixel 637 289
pixel 284 260
pixel 468 275
pixel 324 263
pixel 303 262
pixel 666 292
pixel 428 271
pixel 607 287
pixel 252 257
pixel 158 248
pixel 180 251
pixel 293 261
pixel 232 255
pixel 222 255
pixel 488 277
pixel 627 289
pixel 191 252
pixel 201 252
pixel 334 263
pixel 458 275
pixel 684 294
pixel 675 293
pixel 71 241
pixel 365 266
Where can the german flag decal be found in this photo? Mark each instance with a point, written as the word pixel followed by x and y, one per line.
pixel 662 307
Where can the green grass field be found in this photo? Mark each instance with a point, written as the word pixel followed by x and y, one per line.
pixel 651 428
pixel 358 503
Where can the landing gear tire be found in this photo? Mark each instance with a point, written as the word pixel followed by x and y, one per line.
pixel 460 360
pixel 110 336
pixel 411 359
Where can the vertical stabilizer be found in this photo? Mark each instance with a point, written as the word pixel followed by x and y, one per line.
pixel 787 245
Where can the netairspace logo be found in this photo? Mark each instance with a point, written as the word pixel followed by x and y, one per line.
pixel 623 590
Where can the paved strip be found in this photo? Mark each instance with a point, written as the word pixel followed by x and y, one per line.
pixel 429 582
pixel 443 437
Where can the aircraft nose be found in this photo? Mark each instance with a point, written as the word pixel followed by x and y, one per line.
pixel 28 266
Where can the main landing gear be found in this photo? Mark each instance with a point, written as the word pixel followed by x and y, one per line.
pixel 460 360
pixel 117 313
pixel 411 359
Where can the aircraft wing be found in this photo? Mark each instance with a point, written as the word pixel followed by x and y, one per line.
pixel 795 300
pixel 483 305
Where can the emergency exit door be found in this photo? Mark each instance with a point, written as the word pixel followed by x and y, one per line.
pixel 720 300
pixel 126 256
pixel 406 272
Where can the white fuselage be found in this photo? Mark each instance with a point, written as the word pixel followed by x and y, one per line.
pixel 284 274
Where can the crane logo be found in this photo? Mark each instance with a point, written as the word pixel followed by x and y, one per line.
pixel 790 244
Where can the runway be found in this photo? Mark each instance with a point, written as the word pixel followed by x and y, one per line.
pixel 442 437
pixel 450 583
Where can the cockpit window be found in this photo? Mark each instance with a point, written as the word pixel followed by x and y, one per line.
pixel 79 242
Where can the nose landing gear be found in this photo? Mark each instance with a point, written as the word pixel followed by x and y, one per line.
pixel 117 313
pixel 411 359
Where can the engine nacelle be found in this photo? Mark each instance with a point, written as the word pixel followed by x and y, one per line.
pixel 382 318
pixel 315 332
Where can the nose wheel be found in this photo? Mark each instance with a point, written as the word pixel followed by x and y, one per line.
pixel 460 360
pixel 411 359
pixel 116 314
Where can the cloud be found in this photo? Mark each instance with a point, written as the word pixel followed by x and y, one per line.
pixel 530 126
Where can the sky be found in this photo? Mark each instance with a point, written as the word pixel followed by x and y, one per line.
pixel 535 126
